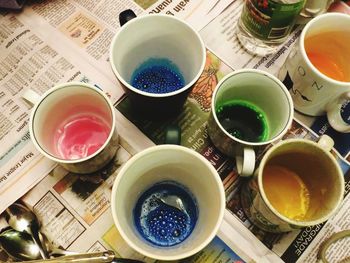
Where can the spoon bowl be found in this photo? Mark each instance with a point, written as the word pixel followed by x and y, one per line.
pixel 22 219
pixel 19 245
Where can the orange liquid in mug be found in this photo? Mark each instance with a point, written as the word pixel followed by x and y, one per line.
pixel 329 52
pixel 286 191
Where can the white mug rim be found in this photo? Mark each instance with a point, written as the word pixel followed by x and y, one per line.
pixel 149 94
pixel 147 151
pixel 303 52
pixel 283 88
pixel 267 202
pixel 62 86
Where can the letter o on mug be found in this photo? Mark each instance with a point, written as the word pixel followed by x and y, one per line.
pixel 146 49
pixel 74 125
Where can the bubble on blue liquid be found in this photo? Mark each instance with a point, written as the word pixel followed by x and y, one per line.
pixel 157 75
pixel 161 224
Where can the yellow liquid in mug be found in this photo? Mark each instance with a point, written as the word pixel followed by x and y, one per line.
pixel 329 52
pixel 286 192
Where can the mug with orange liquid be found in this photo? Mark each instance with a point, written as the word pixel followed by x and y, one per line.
pixel 298 183
pixel 317 70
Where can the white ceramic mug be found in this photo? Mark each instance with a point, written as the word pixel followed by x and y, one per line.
pixel 320 172
pixel 157 36
pixel 262 90
pixel 61 103
pixel 313 92
pixel 169 163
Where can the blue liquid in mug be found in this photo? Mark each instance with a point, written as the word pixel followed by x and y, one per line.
pixel 162 224
pixel 157 75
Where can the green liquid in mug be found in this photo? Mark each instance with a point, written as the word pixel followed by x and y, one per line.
pixel 243 120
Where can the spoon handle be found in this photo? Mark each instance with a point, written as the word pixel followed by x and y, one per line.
pixel 95 257
pixel 35 236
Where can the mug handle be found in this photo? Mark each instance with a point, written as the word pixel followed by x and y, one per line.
pixel 173 135
pixel 326 142
pixel 125 16
pixel 316 7
pixel 321 255
pixel 333 113
pixel 245 163
pixel 31 96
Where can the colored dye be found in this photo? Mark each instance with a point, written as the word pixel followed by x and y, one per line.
pixel 162 224
pixel 286 191
pixel 157 76
pixel 329 52
pixel 243 120
pixel 80 136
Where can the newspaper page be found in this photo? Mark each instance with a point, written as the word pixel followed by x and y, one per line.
pixel 197 13
pixel 295 246
pixel 84 28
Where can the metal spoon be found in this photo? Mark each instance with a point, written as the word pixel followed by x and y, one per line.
pixel 19 245
pixel 92 257
pixel 95 257
pixel 72 256
pixel 23 219
pixel 174 201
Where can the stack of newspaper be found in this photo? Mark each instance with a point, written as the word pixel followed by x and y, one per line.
pixel 40 48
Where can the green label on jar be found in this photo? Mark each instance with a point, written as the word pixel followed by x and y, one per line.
pixel 270 20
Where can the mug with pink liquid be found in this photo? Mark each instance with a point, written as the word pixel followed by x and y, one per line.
pixel 74 125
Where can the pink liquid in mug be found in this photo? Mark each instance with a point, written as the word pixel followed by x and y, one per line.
pixel 81 136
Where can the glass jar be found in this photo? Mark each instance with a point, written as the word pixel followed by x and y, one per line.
pixel 265 24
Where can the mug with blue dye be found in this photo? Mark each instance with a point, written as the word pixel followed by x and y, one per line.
pixel 168 202
pixel 157 59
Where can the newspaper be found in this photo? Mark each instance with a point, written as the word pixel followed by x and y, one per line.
pixel 197 13
pixel 57 41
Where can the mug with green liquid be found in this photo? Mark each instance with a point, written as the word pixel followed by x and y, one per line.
pixel 250 108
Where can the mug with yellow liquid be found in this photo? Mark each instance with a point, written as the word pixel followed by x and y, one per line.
pixel 298 183
pixel 317 71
